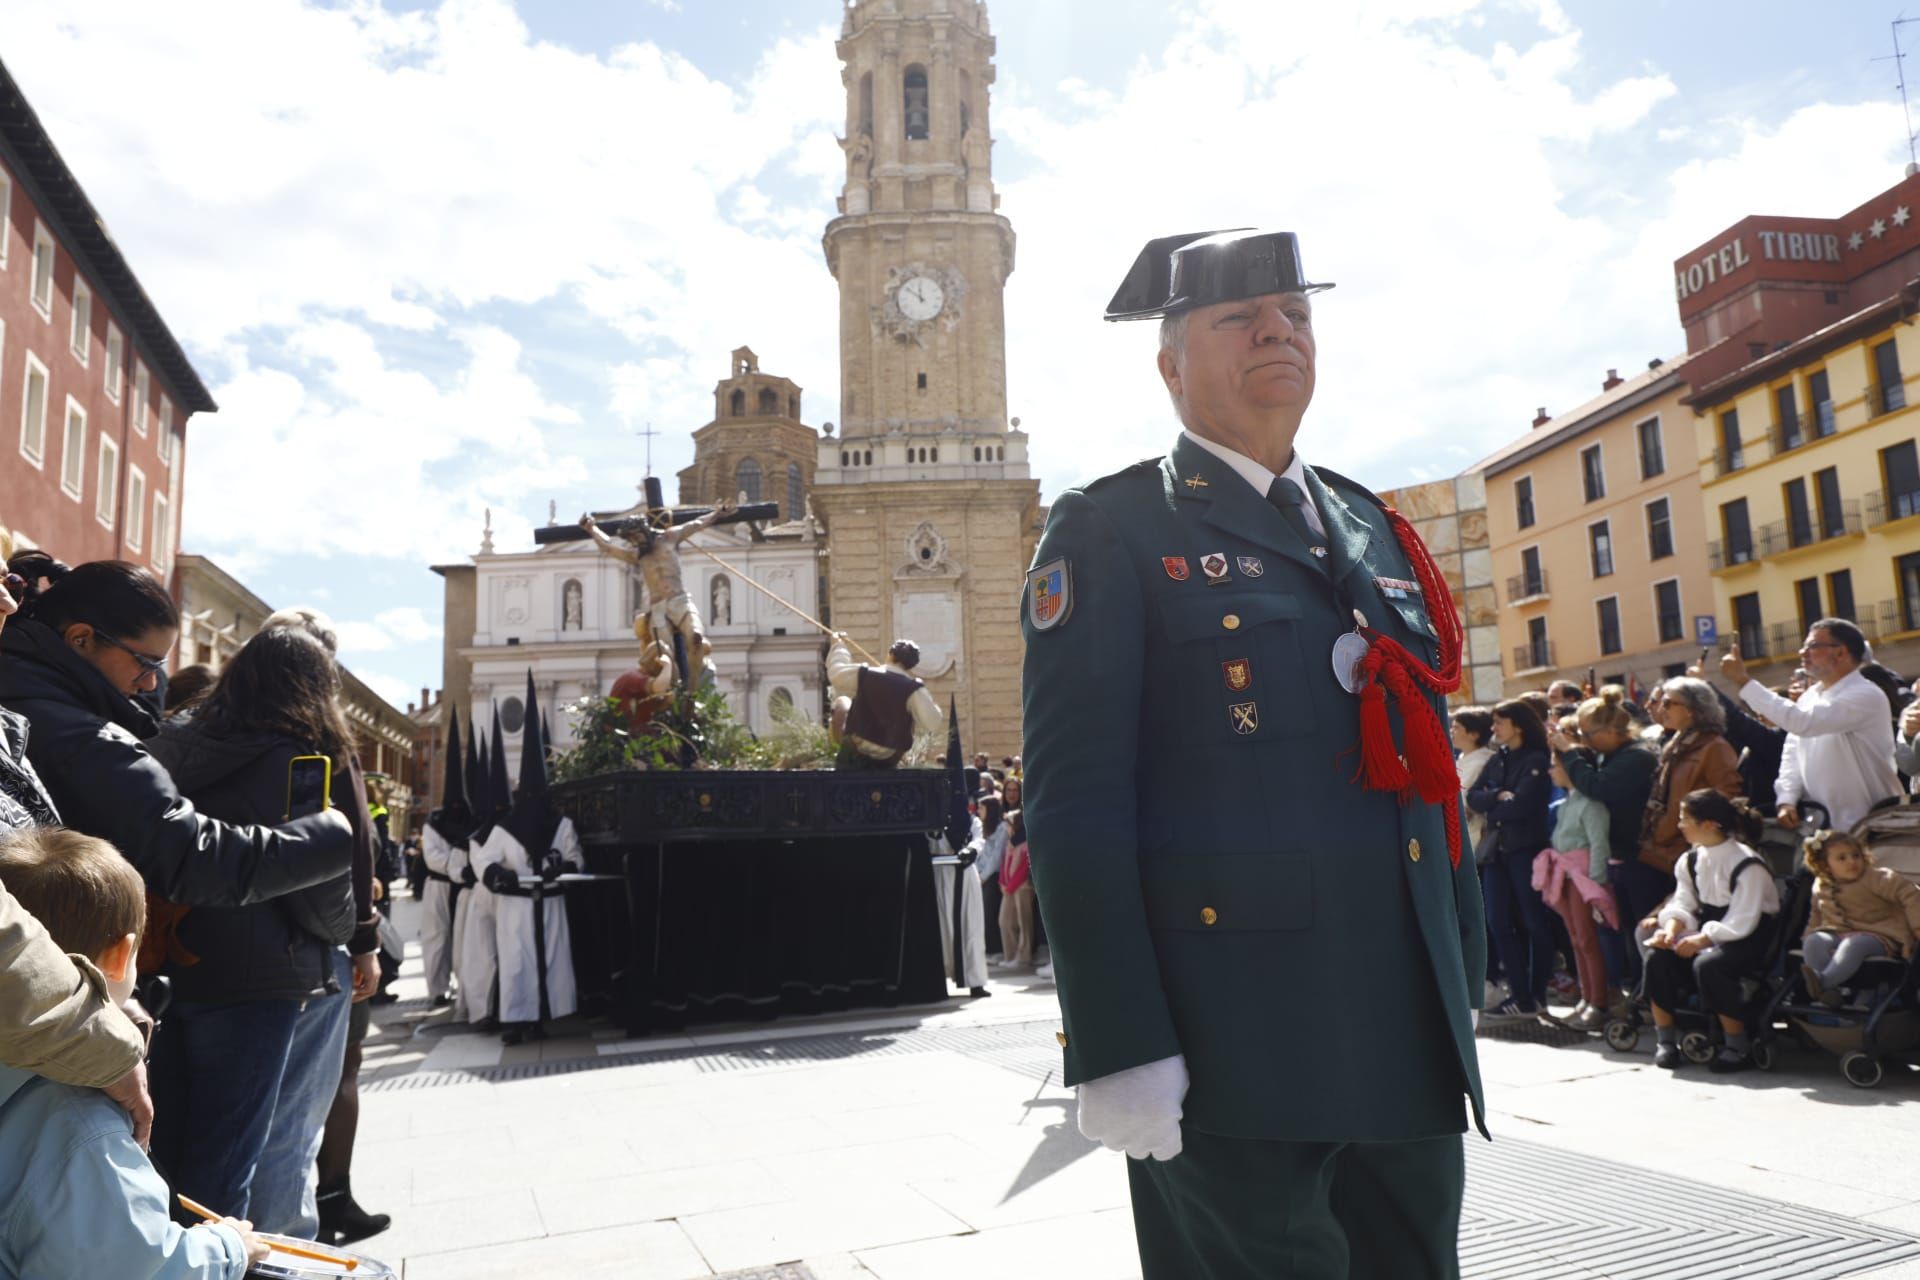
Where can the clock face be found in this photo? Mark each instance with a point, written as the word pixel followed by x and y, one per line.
pixel 920 298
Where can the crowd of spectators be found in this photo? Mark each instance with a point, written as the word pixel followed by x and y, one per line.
pixel 1617 842
pixel 155 839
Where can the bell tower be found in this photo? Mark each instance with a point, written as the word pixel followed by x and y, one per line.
pixel 926 488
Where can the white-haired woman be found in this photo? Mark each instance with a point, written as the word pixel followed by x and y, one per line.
pixel 1697 755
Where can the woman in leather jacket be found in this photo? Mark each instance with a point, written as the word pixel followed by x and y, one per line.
pixel 87 643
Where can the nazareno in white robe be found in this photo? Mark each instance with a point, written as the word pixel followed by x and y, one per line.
pixel 477 961
pixel 436 914
pixel 513 927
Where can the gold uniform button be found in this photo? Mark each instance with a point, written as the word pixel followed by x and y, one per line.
pixel 1208 915
pixel 1231 622
pixel 1061 1036
pixel 1413 850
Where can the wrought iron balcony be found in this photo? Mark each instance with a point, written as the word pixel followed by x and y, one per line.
pixel 1523 588
pixel 1532 657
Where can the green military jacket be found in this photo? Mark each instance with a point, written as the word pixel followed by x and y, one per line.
pixel 1213 880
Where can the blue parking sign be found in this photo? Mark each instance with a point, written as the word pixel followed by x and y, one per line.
pixel 1705 629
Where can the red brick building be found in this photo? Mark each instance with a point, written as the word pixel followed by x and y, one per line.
pixel 95 392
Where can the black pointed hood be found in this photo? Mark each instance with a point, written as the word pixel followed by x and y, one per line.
pixel 959 821
pixel 499 790
pixel 454 818
pixel 534 818
pixel 476 770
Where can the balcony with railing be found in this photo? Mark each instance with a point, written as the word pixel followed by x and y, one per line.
pixel 1751 452
pixel 1788 433
pixel 1731 555
pixel 1882 507
pixel 1756 641
pixel 1537 656
pixel 1885 397
pixel 1781 536
pixel 1894 617
pixel 1527 588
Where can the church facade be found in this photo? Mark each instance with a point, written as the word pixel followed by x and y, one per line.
pixel 565 611
pixel 930 512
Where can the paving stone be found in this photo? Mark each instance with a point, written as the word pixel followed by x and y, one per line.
pixel 653 1251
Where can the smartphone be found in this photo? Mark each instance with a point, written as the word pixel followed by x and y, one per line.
pixel 1592 686
pixel 1703 656
pixel 309 785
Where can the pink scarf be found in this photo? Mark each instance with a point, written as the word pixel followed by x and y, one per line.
pixel 1554 869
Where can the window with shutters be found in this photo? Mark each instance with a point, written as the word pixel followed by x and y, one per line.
pixel 1659 529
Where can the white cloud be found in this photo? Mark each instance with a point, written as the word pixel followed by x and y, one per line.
pixel 404 171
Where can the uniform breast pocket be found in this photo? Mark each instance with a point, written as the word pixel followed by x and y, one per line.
pixel 1241 660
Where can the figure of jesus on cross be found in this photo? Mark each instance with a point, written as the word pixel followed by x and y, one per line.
pixel 669 615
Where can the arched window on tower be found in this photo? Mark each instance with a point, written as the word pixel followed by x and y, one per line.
pixel 769 401
pixel 738 403
pixel 746 479
pixel 793 406
pixel 966 103
pixel 796 492
pixel 916 103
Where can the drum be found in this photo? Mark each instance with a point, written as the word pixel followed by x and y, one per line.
pixel 286 1266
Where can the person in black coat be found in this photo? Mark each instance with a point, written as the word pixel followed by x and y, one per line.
pixel 223 1059
pixel 1513 792
pixel 85 643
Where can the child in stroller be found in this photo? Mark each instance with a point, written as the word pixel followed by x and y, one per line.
pixel 1857 999
pixel 1860 912
pixel 1714 931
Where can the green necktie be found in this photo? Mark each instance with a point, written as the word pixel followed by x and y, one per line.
pixel 1291 500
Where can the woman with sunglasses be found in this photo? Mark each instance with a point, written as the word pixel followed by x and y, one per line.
pixel 86 644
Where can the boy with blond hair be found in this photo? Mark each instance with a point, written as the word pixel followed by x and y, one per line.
pixel 78 1197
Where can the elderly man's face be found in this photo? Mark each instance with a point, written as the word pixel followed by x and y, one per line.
pixel 1245 361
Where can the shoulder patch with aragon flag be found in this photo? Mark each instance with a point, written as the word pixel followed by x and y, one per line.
pixel 1050 594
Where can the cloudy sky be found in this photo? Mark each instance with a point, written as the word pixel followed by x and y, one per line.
pixel 439 256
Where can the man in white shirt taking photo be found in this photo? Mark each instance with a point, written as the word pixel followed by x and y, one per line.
pixel 1839 749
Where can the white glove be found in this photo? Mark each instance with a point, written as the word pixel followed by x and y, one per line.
pixel 1137 1110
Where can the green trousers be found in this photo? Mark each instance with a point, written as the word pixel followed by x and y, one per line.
pixel 1240 1209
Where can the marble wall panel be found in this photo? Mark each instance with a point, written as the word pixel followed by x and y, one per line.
pixel 1479 567
pixel 1483 607
pixel 1483 645
pixel 1473 529
pixel 1441 536
pixel 1470 492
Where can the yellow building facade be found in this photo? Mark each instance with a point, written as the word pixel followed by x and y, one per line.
pixel 1598 539
pixel 1808 472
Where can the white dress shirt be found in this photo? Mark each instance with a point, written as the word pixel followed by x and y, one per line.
pixel 1262 479
pixel 1753 897
pixel 1839 748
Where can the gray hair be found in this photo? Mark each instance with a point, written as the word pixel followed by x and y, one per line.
pixel 307 619
pixel 1173 331
pixel 1698 697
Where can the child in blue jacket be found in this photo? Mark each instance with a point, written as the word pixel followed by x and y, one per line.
pixel 78 1197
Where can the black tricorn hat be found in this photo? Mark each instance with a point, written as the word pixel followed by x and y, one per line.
pixel 1177 273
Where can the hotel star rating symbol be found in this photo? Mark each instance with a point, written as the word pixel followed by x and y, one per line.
pixel 1901 216
pixel 1855 240
pixel 1878 228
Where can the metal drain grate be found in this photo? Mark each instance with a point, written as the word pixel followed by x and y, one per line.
pixel 1533 1213
pixel 1027 1048
pixel 785 1271
pixel 1533 1031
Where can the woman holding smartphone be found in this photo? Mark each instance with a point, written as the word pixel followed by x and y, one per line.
pixel 242 974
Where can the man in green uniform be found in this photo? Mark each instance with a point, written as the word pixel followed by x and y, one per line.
pixel 1267 969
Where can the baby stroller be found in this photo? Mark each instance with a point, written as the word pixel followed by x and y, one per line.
pixel 1880 1021
pixel 1700 1033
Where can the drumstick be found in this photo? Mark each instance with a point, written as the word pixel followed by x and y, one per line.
pixel 350 1263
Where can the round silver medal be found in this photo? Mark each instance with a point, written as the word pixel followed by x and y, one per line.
pixel 1347 652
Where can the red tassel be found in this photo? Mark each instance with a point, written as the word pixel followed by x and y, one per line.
pixel 1427 769
pixel 1381 768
